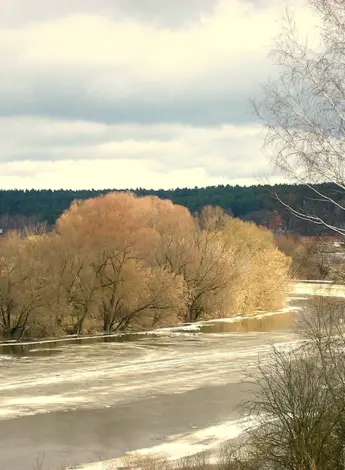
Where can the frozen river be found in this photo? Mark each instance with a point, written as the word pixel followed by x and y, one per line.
pixel 175 391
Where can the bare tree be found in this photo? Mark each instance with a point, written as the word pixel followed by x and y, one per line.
pixel 298 398
pixel 298 424
pixel 20 223
pixel 303 112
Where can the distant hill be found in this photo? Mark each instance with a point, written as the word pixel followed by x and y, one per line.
pixel 20 208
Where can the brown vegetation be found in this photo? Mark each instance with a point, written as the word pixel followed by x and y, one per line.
pixel 120 262
pixel 298 399
pixel 311 257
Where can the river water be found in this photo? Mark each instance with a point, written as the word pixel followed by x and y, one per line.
pixel 174 390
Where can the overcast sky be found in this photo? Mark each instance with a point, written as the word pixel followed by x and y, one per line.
pixel 133 93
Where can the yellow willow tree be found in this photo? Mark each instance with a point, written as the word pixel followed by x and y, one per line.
pixel 211 276
pixel 200 256
pixel 93 234
pixel 213 218
pixel 72 286
pixel 140 297
pixel 117 231
pixel 262 270
pixel 21 285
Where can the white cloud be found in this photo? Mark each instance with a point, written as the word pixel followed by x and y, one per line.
pixel 105 174
pixel 99 174
pixel 100 154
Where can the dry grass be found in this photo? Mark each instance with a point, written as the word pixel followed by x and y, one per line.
pixel 226 459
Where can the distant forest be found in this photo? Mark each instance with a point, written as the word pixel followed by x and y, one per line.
pixel 24 208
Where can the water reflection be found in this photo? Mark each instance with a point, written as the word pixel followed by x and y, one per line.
pixel 275 322
pixel 279 322
pixel 51 348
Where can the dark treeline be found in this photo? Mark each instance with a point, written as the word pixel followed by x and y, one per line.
pixel 21 208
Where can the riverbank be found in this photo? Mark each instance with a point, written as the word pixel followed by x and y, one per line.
pixel 204 445
pixel 198 326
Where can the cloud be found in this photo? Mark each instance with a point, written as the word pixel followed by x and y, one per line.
pixel 94 67
pixel 109 174
pixel 133 93
pixel 99 174
pixel 225 151
pixel 172 14
pixel 40 153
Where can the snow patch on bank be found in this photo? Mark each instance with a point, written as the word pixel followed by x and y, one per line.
pixel 179 446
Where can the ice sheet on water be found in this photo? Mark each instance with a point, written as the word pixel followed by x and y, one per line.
pixel 196 327
pixel 4 357
pixel 320 289
pixel 84 379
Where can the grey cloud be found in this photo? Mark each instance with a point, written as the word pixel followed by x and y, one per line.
pixel 67 97
pixel 125 92
pixel 226 110
pixel 170 13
